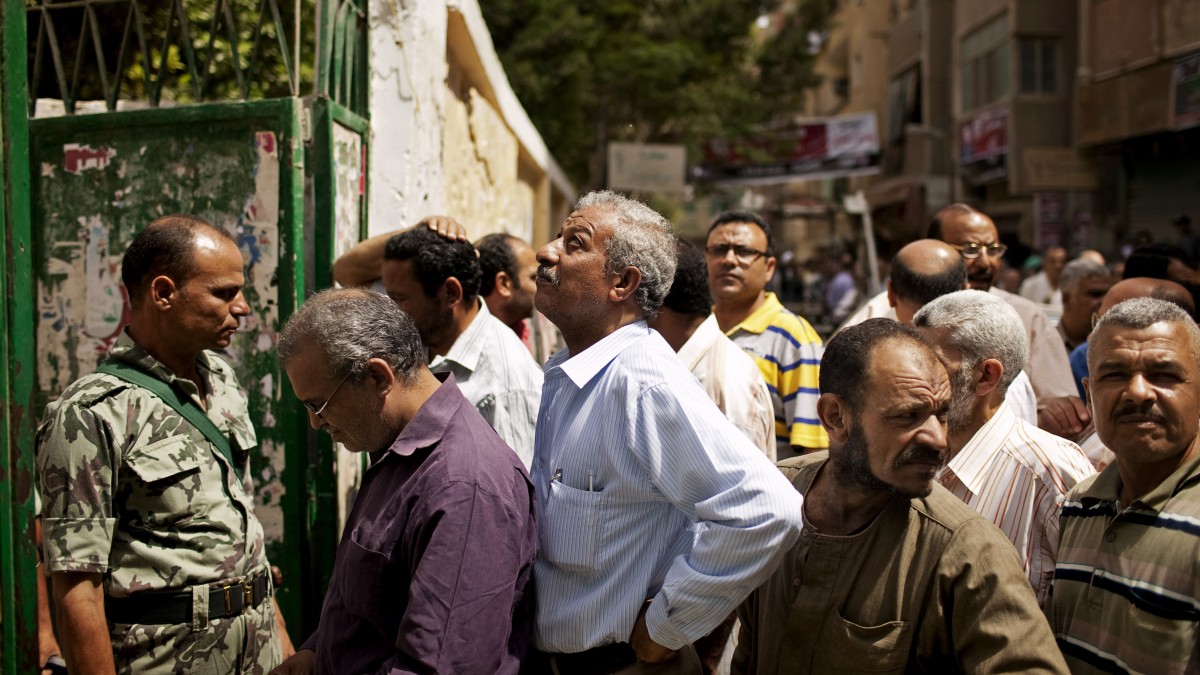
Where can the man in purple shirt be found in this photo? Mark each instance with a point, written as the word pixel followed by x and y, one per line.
pixel 433 571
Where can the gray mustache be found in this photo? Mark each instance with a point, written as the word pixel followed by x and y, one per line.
pixel 548 274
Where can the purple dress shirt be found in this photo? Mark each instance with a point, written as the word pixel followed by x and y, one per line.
pixel 433 571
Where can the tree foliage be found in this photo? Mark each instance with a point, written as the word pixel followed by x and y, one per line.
pixel 670 71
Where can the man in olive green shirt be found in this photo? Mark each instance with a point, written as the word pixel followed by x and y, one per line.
pixel 892 573
pixel 156 557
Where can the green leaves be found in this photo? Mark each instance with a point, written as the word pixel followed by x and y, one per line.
pixel 670 71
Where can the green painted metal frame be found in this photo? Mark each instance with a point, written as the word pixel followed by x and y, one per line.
pixel 292 279
pixel 342 55
pixel 18 570
pixel 323 501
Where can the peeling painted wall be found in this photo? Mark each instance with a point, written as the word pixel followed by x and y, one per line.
pixel 447 132
pixel 480 152
pixel 85 213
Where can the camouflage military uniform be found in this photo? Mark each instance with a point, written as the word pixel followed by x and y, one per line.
pixel 137 494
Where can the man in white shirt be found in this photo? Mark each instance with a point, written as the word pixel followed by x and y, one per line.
pixel 729 376
pixel 656 516
pixel 1008 470
pixel 436 281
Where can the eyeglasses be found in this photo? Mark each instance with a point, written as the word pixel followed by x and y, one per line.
pixel 743 254
pixel 973 250
pixel 318 410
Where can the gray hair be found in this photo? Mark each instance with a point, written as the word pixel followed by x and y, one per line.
pixel 981 326
pixel 641 238
pixel 1141 313
pixel 351 326
pixel 1079 270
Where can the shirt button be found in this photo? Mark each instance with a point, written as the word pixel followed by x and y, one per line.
pixel 796 581
pixel 1110 537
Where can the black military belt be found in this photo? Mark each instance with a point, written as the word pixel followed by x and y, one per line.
pixel 225 601
pixel 595 661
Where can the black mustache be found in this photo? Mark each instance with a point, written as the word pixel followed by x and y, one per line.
pixel 921 454
pixel 1149 411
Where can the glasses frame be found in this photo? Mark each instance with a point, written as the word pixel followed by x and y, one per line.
pixel 755 254
pixel 994 250
pixel 319 411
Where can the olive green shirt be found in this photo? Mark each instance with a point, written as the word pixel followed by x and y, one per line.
pixel 134 492
pixel 928 586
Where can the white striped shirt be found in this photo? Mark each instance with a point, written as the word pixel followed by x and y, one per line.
pixel 498 375
pixel 1017 475
pixel 645 490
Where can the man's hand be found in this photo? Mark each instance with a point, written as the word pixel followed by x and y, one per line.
pixel 647 650
pixel 1066 416
pixel 303 663
pixel 446 227
pixel 360 266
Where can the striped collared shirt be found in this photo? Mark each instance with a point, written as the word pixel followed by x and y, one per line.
pixel 1127 587
pixel 788 352
pixel 645 490
pixel 1016 476
pixel 499 377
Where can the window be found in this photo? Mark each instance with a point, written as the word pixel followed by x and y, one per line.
pixel 1039 65
pixel 986 58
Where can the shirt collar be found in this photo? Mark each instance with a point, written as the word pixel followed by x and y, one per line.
pixel 429 425
pixel 1107 485
pixel 971 463
pixel 468 348
pixel 588 363
pixel 702 340
pixel 760 319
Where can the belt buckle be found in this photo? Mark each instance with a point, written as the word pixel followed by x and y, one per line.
pixel 247 595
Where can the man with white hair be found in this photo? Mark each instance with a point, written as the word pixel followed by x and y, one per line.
pixel 656 516
pixel 1008 470
pixel 1083 283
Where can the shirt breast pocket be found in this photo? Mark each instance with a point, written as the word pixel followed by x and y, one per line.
pixel 850 647
pixel 169 489
pixel 573 520
pixel 365 592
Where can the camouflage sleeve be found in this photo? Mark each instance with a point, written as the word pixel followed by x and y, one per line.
pixel 76 465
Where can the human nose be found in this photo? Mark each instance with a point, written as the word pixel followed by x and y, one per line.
pixel 240 307
pixel 933 432
pixel 1139 391
pixel 314 420
pixel 548 254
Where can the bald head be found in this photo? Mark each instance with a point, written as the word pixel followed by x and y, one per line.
pixel 1147 287
pixel 922 272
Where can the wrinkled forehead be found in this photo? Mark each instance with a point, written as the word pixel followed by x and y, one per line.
pixel 901 369
pixel 738 233
pixel 1165 342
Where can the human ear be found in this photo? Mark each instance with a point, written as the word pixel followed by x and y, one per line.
pixel 835 416
pixel 627 284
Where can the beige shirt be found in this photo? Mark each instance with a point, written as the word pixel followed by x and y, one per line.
pixel 731 379
pixel 928 586
pixel 1048 367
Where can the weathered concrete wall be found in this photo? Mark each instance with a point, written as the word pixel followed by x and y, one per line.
pixel 448 135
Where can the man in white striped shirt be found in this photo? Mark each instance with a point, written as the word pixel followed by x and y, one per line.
pixel 656 516
pixel 1008 470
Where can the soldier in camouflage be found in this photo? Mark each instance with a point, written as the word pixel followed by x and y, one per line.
pixel 156 556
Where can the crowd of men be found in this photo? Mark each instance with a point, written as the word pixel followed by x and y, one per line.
pixel 571 462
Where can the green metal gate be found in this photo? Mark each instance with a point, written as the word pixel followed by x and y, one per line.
pixel 204 115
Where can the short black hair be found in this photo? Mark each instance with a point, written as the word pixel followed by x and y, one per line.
pixel 846 363
pixel 165 248
pixel 746 217
pixel 925 288
pixel 435 259
pixel 1153 259
pixel 496 255
pixel 689 292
